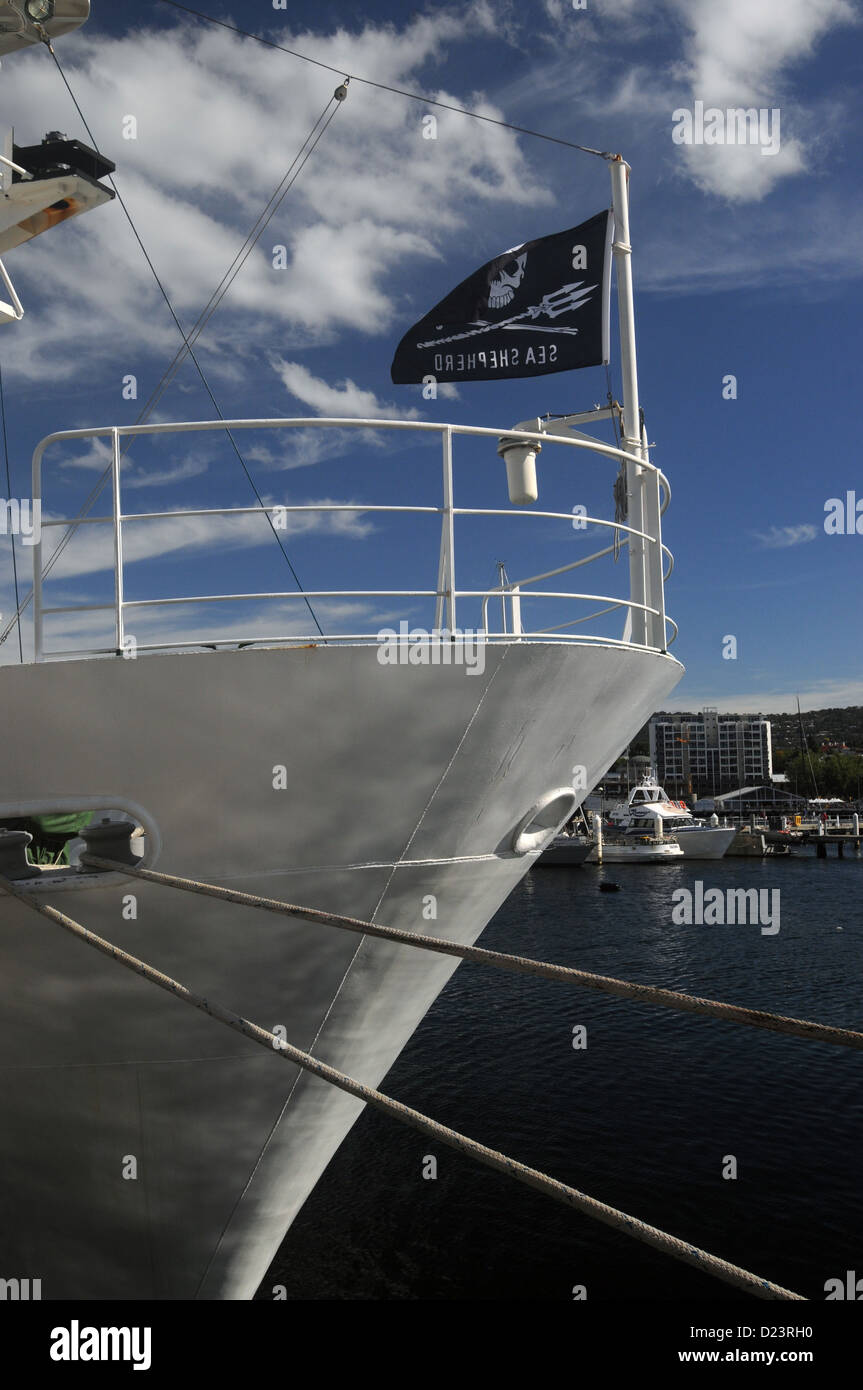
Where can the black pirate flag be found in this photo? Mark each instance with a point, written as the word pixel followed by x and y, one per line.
pixel 541 307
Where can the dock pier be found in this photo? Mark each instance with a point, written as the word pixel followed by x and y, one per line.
pixel 756 840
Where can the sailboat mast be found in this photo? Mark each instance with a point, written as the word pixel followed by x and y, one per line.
pixel 804 748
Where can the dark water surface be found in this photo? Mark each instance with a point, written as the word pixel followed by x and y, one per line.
pixel 643 1118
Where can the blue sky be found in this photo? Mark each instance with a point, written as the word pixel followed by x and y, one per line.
pixel 745 264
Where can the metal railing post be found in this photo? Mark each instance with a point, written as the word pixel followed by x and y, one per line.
pixel 448 531
pixel 515 607
pixel 118 538
pixel 501 579
pixel 441 577
pixel 655 584
pixel 635 474
pixel 36 487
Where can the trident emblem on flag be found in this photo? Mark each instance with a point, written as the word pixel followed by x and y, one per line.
pixel 551 305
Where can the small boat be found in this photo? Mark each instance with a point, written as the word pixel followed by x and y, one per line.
pixel 697 839
pixel 567 849
pixel 637 847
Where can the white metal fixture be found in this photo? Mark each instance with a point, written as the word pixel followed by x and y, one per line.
pixel 520 460
pixel 16 168
pixel 13 312
pixel 24 23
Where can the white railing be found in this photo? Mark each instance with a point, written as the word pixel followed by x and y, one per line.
pixel 645 607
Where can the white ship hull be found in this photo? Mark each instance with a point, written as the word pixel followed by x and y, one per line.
pixel 704 841
pixel 419 777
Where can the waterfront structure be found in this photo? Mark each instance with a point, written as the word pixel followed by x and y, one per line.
pixel 748 801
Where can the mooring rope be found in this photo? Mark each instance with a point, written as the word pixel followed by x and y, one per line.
pixel 522 965
pixel 491 1158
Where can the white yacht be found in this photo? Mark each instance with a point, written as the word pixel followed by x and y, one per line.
pixel 649 805
pixel 145 1152
pixel 637 845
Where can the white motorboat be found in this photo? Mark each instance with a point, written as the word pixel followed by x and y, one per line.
pixel 144 1152
pixel 643 842
pixel 648 803
pixel 636 847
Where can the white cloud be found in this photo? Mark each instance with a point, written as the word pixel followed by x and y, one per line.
pixel 215 135
pixel 738 50
pixel 90 550
pixel 190 467
pixel 347 399
pixel 827 694
pixel 97 458
pixel 738 54
pixel 812 246
pixel 302 448
pixel 294 448
pixel 781 537
pixel 644 61
pixel 336 274
pixel 276 618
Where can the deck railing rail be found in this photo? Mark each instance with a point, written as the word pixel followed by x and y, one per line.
pixel 647 623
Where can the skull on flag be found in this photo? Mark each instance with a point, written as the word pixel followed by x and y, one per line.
pixel 510 274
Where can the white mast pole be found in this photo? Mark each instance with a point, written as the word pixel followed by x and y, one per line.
pixel 644 568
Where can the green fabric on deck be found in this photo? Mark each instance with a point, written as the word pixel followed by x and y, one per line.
pixel 51 832
pixel 64 823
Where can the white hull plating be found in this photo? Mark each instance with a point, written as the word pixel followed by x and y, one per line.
pixel 704 841
pixel 414 778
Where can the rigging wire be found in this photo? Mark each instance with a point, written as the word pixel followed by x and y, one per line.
pixel 181 331
pixel 804 744
pixel 85 508
pixel 276 199
pixel 383 87
pixel 8 497
pixel 287 182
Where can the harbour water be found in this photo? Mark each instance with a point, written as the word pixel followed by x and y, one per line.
pixel 646 1117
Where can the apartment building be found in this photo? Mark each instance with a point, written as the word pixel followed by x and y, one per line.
pixel 709 752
